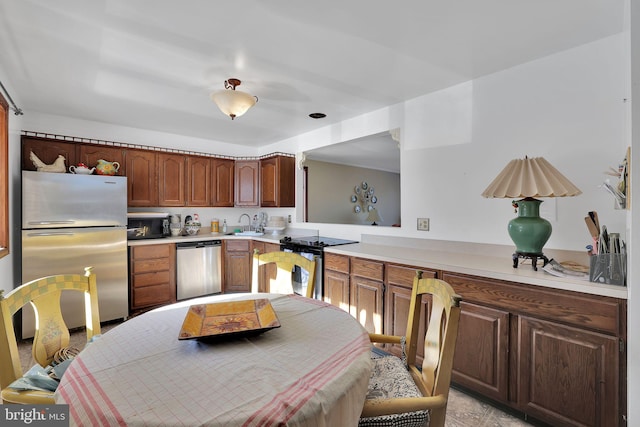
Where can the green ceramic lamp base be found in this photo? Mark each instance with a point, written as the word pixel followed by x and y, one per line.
pixel 529 232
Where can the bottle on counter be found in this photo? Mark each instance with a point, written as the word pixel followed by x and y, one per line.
pixel 224 226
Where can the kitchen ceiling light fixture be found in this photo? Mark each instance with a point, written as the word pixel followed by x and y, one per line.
pixel 232 102
pixel 530 178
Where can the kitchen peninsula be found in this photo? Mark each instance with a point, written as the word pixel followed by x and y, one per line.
pixel 552 348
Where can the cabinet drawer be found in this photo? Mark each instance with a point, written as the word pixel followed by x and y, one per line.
pixel 151 251
pixel 573 308
pixel 237 245
pixel 150 265
pixel 336 263
pixel 403 276
pixel 151 279
pixel 152 295
pixel 367 268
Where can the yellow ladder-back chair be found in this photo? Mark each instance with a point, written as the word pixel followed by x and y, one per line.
pixel 51 333
pixel 402 394
pixel 285 262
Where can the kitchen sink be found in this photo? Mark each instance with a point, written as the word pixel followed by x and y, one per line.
pixel 248 233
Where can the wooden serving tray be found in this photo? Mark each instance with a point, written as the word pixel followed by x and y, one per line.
pixel 228 319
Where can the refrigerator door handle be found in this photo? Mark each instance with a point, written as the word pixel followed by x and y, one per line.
pixel 51 233
pixel 51 222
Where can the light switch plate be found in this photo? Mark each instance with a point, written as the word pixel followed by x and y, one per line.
pixel 423 224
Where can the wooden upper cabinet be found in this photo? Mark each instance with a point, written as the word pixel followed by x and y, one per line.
pixel 47 150
pixel 90 154
pixel 171 179
pixel 198 181
pixel 142 180
pixel 222 183
pixel 277 182
pixel 247 181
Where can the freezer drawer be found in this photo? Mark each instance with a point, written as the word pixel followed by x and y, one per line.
pixel 64 251
pixel 198 269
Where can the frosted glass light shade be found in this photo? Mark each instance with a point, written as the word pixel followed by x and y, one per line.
pixel 233 103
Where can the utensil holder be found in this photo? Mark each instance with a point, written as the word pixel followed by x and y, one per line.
pixel 609 268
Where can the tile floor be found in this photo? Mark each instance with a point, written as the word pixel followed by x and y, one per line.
pixel 463 410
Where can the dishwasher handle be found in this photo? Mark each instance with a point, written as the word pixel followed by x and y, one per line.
pixel 200 244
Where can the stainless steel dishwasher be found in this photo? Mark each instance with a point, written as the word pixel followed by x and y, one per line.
pixel 199 268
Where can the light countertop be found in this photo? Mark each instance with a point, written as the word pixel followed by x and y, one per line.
pixel 476 264
pixel 493 267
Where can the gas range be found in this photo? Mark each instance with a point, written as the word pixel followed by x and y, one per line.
pixel 311 247
pixel 314 241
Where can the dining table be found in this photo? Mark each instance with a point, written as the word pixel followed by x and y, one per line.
pixel 311 370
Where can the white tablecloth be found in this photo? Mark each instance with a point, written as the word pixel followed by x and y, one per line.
pixel 312 371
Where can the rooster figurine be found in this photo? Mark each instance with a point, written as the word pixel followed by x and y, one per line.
pixel 57 166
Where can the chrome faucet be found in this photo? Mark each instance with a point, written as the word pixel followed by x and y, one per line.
pixel 240 221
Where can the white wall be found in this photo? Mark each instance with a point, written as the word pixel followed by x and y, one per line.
pixel 566 107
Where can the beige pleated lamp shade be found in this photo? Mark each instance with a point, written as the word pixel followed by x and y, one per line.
pixel 527 177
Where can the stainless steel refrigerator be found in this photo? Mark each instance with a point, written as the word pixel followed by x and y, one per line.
pixel 70 222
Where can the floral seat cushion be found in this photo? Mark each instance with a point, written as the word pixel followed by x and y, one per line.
pixel 390 379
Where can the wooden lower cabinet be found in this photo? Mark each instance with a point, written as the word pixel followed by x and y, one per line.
pixel 237 266
pixel 336 280
pixel 481 358
pixel 336 289
pixel 366 291
pixel 397 299
pixel 267 271
pixel 152 276
pixel 557 356
pixel 567 376
pixel 366 303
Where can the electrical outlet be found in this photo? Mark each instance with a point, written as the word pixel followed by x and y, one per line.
pixel 423 224
pixel 289 219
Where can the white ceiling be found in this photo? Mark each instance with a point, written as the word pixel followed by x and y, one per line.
pixel 152 64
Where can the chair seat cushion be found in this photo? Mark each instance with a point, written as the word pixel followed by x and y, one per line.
pixel 390 379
